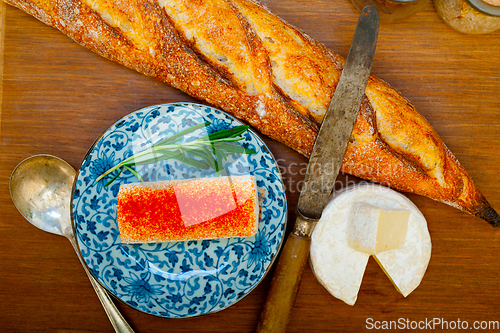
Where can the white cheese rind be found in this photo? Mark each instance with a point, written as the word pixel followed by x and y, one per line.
pixel 406 266
pixel 362 224
pixel 340 268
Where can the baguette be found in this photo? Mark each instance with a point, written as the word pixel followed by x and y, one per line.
pixel 238 56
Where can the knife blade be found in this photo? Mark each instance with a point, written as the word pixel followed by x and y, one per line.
pixel 322 170
pixel 333 137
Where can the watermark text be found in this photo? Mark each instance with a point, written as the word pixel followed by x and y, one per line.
pixel 431 324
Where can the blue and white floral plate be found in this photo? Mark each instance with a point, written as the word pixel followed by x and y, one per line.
pixel 175 279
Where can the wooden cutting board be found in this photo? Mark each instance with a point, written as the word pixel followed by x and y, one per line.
pixel 57 98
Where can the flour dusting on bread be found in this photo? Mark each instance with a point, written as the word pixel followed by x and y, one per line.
pixel 238 56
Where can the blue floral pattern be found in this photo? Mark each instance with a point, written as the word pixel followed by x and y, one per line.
pixel 174 279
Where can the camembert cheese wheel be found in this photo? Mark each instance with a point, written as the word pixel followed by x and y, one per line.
pixel 366 220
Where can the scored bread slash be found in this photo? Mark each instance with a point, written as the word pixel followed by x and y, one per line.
pixel 188 209
pixel 239 57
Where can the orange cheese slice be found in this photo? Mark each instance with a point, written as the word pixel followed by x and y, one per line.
pixel 189 209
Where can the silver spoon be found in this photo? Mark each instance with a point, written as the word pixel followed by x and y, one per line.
pixel 40 187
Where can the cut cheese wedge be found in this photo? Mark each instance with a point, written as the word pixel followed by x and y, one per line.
pixel 340 248
pixel 372 229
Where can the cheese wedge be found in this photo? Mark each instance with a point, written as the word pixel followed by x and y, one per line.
pixel 372 229
pixel 348 233
pixel 189 209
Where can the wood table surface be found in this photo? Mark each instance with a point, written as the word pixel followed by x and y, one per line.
pixel 58 97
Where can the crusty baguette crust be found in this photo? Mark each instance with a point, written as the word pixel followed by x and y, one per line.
pixel 236 55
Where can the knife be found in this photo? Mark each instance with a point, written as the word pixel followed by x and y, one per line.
pixel 322 170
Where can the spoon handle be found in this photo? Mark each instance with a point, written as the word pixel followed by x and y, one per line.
pixel 115 317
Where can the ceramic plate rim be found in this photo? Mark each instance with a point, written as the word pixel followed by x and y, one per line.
pixel 212 109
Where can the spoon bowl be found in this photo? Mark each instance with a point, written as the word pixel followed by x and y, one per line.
pixel 40 187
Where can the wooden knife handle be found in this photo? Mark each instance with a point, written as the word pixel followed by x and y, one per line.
pixel 285 284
